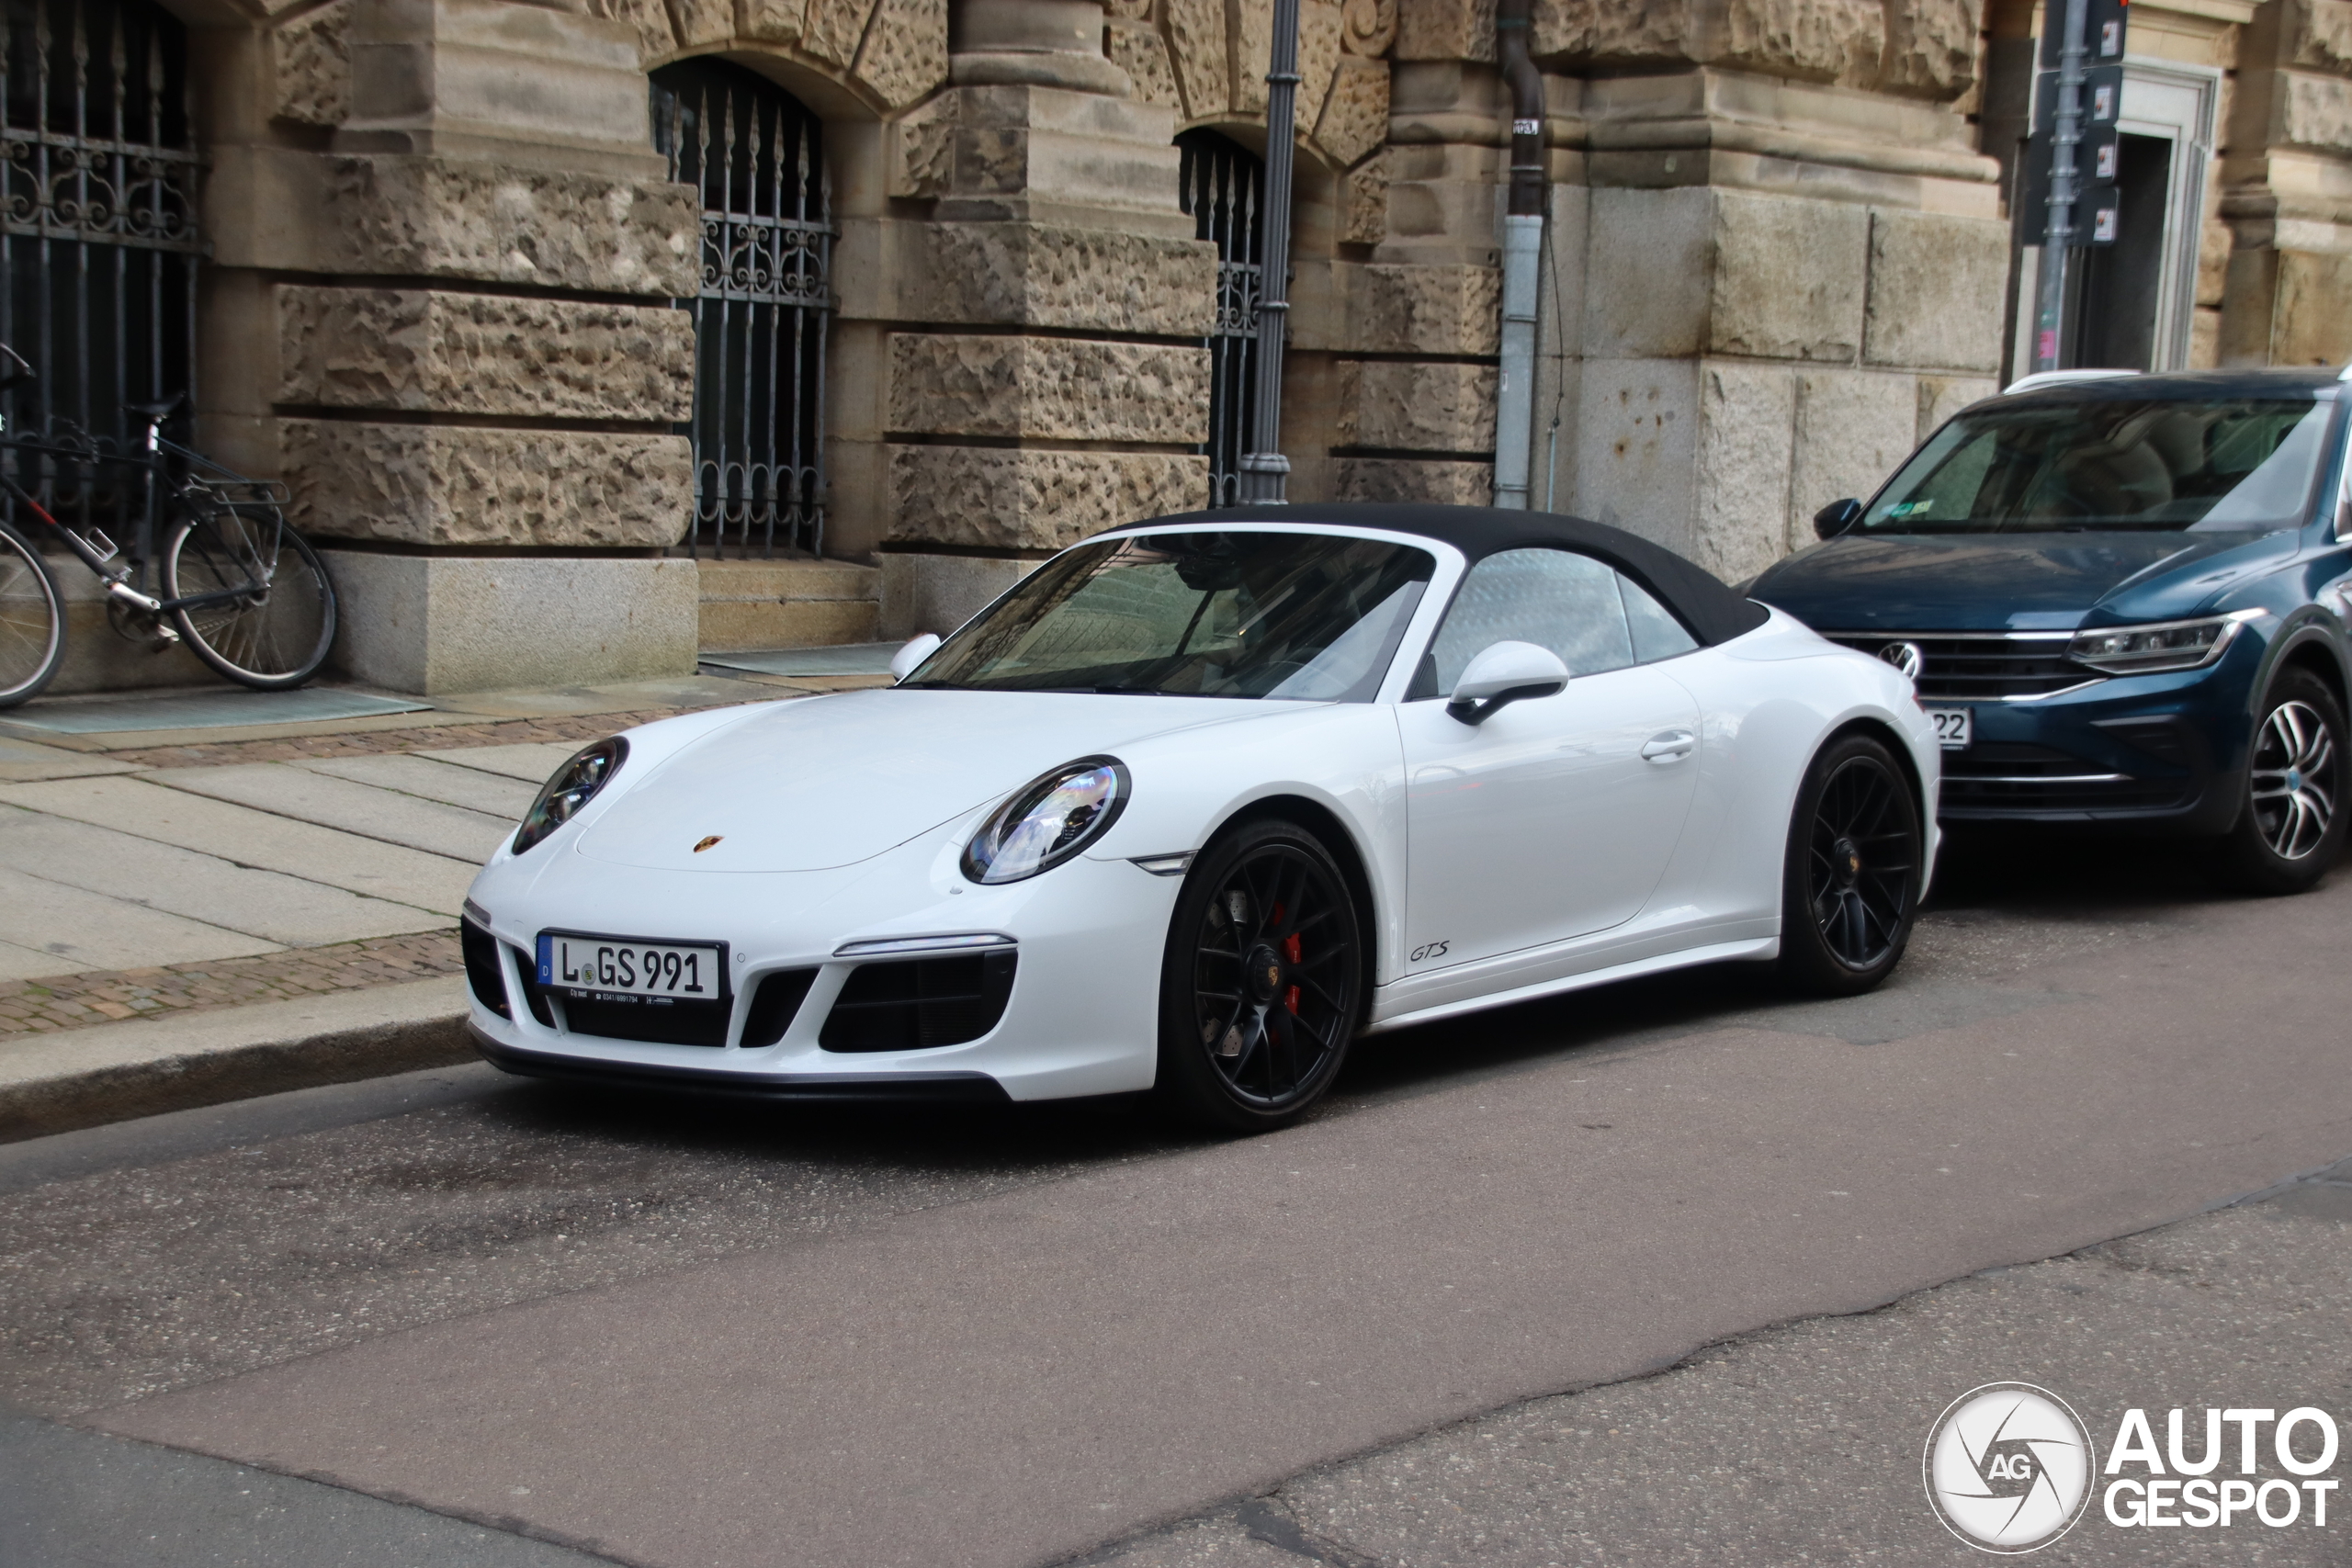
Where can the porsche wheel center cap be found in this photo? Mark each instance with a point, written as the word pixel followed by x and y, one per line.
pixel 1847 857
pixel 1266 975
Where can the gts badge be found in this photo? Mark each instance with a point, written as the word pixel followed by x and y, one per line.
pixel 1433 950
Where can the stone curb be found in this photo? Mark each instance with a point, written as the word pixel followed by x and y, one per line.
pixel 60 1081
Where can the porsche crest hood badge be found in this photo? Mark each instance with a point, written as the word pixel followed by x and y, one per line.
pixel 707 843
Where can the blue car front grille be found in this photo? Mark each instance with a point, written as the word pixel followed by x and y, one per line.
pixel 1981 667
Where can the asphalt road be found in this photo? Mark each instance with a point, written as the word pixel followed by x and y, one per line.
pixel 455 1319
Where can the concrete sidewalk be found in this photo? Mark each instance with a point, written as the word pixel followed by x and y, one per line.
pixel 193 909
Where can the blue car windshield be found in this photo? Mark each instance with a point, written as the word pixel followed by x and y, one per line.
pixel 2145 464
pixel 1217 613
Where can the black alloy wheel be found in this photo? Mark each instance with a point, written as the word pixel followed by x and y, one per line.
pixel 1851 881
pixel 2291 827
pixel 1262 987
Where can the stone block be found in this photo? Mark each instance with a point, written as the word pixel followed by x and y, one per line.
pixel 1022 498
pixel 773 21
pixel 1409 407
pixel 1196 39
pixel 1356 117
pixel 936 593
pixel 1319 30
pixel 2320 35
pixel 1637 446
pixel 2310 324
pixel 1583 30
pixel 703 23
pixel 905 56
pixel 835 28
pixel 1251 28
pixel 312 66
pixel 1936 289
pixel 1940 397
pixel 1054 389
pixel 1371 28
pixel 2314 111
pixel 1431 482
pixel 1746 413
pixel 1789 278
pixel 1853 429
pixel 1040 276
pixel 1364 204
pixel 446 218
pixel 1931 47
pixel 434 624
pixel 656 37
pixel 1447 30
pixel 1399 309
pixel 1137 50
pixel 417 484
pixel 1648 259
pixel 432 351
pixel 1814 41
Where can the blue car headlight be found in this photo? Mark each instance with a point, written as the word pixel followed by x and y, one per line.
pixel 2159 646
pixel 1047 820
pixel 575 785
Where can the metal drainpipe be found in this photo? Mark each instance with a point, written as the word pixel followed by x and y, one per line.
pixel 1265 472
pixel 1523 256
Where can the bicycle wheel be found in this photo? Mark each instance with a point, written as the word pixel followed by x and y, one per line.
pixel 273 627
pixel 32 620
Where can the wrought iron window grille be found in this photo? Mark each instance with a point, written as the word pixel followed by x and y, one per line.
pixel 100 237
pixel 1223 186
pixel 757 155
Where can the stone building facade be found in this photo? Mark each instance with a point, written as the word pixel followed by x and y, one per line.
pixel 453 255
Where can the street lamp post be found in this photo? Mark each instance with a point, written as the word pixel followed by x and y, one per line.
pixel 1265 472
pixel 2050 305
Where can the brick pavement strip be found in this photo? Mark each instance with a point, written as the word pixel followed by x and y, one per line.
pixel 109 996
pixel 580 728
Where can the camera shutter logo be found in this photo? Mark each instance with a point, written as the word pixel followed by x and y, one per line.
pixel 2008 1467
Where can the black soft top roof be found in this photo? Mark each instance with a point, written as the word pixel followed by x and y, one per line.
pixel 1712 612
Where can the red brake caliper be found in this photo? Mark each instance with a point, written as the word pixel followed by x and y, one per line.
pixel 1290 951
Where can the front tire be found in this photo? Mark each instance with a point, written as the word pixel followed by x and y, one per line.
pixel 1850 882
pixel 276 634
pixel 1263 983
pixel 2291 827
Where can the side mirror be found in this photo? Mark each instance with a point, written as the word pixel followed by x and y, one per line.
pixel 903 662
pixel 1505 673
pixel 1836 518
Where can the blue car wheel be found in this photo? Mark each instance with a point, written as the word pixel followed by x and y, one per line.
pixel 2292 827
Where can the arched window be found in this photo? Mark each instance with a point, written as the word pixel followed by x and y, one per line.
pixel 759 424
pixel 1223 189
pixel 98 234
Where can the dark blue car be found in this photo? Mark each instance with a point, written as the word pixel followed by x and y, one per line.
pixel 2124 600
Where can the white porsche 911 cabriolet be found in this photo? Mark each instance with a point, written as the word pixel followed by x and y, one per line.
pixel 1201 800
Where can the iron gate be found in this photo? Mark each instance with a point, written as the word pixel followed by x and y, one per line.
pixel 98 235
pixel 767 235
pixel 1223 188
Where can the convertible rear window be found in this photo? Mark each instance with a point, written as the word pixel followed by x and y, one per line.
pixel 2147 465
pixel 1214 614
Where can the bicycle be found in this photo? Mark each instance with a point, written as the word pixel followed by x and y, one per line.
pixel 238 586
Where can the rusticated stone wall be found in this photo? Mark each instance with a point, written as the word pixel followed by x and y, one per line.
pixel 2287 185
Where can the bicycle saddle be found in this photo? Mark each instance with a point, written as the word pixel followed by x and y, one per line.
pixel 164 410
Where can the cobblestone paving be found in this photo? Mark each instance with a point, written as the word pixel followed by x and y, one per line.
pixel 368 743
pixel 109 996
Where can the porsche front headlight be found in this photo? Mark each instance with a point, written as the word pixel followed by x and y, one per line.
pixel 575 785
pixel 1047 820
pixel 2159 646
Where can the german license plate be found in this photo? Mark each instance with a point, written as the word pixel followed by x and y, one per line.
pixel 610 967
pixel 1955 728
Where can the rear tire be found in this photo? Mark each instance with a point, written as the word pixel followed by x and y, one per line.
pixel 1261 987
pixel 32 620
pixel 271 639
pixel 2291 827
pixel 1850 880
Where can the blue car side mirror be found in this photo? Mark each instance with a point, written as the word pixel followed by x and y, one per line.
pixel 1836 518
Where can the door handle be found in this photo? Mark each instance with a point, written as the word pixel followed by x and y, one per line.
pixel 1670 747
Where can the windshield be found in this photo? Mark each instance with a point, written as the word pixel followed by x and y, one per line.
pixel 2147 465
pixel 1311 617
